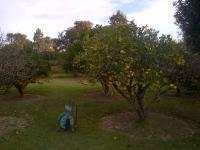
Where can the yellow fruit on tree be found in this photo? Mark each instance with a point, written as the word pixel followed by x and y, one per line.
pixel 181 61
pixel 171 85
pixel 127 66
pixel 122 51
pixel 110 78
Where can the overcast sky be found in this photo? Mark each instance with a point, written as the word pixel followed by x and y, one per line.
pixel 53 16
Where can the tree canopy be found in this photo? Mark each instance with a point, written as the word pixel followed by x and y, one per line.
pixel 188 18
pixel 41 43
pixel 71 41
pixel 125 56
pixel 16 70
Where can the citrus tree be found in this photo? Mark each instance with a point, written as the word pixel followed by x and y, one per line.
pixel 126 57
pixel 16 70
pixel 172 62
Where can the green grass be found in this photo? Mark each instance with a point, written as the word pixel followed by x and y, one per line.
pixel 41 133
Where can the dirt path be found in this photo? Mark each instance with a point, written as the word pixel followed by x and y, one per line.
pixel 157 126
pixel 26 97
pixel 100 97
pixel 9 123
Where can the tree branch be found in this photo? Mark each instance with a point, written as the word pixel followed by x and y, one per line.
pixel 120 92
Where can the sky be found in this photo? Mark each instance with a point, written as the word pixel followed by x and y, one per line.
pixel 54 16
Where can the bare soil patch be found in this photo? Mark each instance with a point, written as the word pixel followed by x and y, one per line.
pixel 26 97
pixel 8 124
pixel 100 96
pixel 157 126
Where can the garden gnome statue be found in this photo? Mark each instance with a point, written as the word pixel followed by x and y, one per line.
pixel 65 119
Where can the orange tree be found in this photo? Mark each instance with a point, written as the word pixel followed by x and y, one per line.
pixel 126 56
pixel 174 61
pixel 16 70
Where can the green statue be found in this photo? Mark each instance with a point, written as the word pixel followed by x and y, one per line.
pixel 66 119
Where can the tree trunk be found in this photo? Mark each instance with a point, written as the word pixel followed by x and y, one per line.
pixel 137 101
pixel 20 90
pixel 105 86
pixel 106 89
pixel 140 109
pixel 140 105
pixel 178 90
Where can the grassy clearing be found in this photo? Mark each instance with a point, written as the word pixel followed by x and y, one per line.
pixel 41 132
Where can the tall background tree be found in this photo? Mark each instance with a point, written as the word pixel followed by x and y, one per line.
pixel 41 43
pixel 71 41
pixel 44 51
pixel 1 39
pixel 37 38
pixel 118 19
pixel 18 42
pixel 188 18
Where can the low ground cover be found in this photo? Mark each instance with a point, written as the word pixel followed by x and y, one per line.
pixel 39 120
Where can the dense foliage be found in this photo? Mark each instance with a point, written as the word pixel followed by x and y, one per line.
pixel 16 70
pixel 188 18
pixel 134 59
pixel 20 63
pixel 71 41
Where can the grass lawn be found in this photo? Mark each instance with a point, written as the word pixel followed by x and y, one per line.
pixel 41 133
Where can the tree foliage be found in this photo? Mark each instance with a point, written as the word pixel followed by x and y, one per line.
pixel 18 42
pixel 188 18
pixel 71 41
pixel 125 55
pixel 20 63
pixel 1 39
pixel 118 19
pixel 134 60
pixel 16 70
pixel 41 43
pixel 174 62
